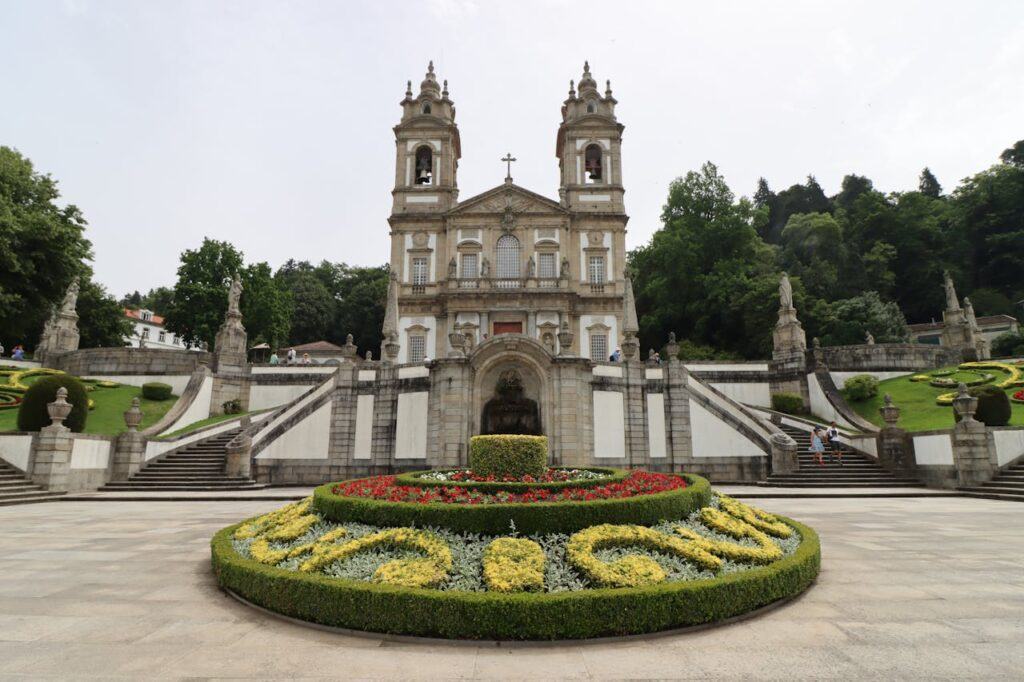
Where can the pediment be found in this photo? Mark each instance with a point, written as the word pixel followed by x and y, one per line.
pixel 496 200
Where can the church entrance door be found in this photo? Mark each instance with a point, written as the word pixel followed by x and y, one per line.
pixel 508 328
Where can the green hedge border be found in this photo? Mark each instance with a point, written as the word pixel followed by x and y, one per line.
pixel 529 518
pixel 373 607
pixel 413 478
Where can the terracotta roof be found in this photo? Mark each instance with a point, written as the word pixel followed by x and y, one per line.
pixel 137 315
pixel 925 326
pixel 315 346
pixel 986 321
pixel 997 319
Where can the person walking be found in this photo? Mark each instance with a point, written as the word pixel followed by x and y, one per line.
pixel 817 446
pixel 834 446
pixel 274 359
pixel 291 356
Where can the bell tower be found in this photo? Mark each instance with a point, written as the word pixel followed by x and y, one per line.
pixel 589 149
pixel 427 150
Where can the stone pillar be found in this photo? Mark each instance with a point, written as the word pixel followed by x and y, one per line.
pixel 130 446
pixel 788 366
pixel 974 458
pixel 895 446
pixel 51 462
pixel 231 366
pixel 239 457
pixel 785 454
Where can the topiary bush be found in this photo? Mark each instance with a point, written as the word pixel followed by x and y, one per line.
pixel 508 455
pixel 155 390
pixel 789 403
pixel 993 405
pixel 861 387
pixel 32 414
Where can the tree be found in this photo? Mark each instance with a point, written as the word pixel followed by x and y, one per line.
pixel 929 185
pixel 201 292
pixel 805 198
pixel 847 321
pixel 853 187
pixel 266 309
pixel 160 300
pixel 312 304
pixel 991 302
pixel 812 250
pixel 1014 155
pixel 360 301
pixel 132 300
pixel 42 247
pixel 101 319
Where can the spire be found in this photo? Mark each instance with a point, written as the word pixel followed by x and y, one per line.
pixel 587 82
pixel 444 92
pixel 572 89
pixel 390 328
pixel 608 89
pixel 429 84
pixel 408 89
pixel 630 324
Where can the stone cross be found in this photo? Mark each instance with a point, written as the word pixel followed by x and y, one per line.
pixel 508 159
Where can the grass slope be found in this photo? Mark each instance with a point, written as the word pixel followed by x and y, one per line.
pixel 107 418
pixel 916 400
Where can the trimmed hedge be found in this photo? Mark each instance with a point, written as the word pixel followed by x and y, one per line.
pixel 860 387
pixel 33 416
pixel 154 390
pixel 389 609
pixel 789 403
pixel 529 518
pixel 613 476
pixel 508 455
pixel 993 405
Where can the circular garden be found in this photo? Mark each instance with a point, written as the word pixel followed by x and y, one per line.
pixel 512 549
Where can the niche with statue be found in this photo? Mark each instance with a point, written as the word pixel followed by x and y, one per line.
pixel 510 411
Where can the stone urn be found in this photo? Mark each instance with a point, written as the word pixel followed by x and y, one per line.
pixel 60 408
pixel 133 415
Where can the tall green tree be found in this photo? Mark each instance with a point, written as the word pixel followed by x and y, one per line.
pixel 1014 155
pixel 266 308
pixel 160 300
pixel 928 184
pixel 201 292
pixel 42 248
pixel 312 305
pixel 846 322
pixel 101 319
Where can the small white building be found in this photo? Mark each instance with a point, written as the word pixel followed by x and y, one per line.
pixel 149 332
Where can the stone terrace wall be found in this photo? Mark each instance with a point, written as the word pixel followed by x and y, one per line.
pixel 886 356
pixel 124 361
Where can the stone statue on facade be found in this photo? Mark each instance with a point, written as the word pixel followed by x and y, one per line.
pixel 485 268
pixel 531 267
pixel 70 299
pixel 234 295
pixel 785 292
pixel 453 268
pixel 869 338
pixel 565 267
pixel 951 300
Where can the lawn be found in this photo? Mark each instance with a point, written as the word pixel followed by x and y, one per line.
pixel 107 418
pixel 916 400
pixel 209 421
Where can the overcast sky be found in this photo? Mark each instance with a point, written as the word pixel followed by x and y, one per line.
pixel 268 124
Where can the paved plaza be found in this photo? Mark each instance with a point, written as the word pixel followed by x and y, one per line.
pixel 909 588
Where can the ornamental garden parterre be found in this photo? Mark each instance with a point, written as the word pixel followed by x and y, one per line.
pixel 522 551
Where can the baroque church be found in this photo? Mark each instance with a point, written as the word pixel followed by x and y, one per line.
pixel 508 260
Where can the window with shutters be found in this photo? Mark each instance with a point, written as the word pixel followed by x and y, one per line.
pixel 598 347
pixel 417 347
pixel 420 271
pixel 546 265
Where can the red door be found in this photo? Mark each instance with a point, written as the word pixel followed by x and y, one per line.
pixel 508 328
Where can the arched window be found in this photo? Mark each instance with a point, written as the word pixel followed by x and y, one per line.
pixel 591 106
pixel 507 251
pixel 426 107
pixel 592 163
pixel 424 166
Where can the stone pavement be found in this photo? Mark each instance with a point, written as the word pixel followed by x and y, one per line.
pixel 910 588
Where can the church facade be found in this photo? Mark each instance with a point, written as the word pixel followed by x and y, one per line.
pixel 508 260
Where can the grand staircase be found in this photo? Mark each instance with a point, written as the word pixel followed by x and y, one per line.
pixel 1008 484
pixel 15 488
pixel 857 471
pixel 197 466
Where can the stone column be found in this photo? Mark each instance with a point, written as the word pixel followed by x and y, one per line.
pixel 972 454
pixel 785 454
pixel 238 463
pixel 895 446
pixel 51 462
pixel 130 446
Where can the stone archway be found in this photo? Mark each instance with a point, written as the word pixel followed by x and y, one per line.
pixel 505 356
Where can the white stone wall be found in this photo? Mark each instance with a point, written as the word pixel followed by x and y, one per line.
pixel 411 429
pixel 309 439
pixel 15 449
pixel 758 394
pixel 712 437
pixel 363 447
pixel 934 450
pixel 198 410
pixel 1009 444
pixel 656 426
pixel 89 453
pixel 821 406
pixel 263 397
pixel 609 425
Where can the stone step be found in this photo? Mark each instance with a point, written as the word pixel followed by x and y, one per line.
pixel 29 498
pixel 1002 483
pixel 995 493
pixel 13 482
pixel 781 483
pixel 184 480
pixel 195 488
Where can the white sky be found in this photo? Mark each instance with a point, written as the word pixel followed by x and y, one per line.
pixel 268 124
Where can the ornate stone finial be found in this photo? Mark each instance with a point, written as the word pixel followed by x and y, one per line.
pixel 457 340
pixel 349 339
pixel 430 66
pixel 890 413
pixel 444 90
pixel 608 89
pixel 572 89
pixel 408 89
pixel 964 404
pixel 672 348
pixel 508 159
pixel 586 67
pixel 60 408
pixel 133 416
pixel 565 339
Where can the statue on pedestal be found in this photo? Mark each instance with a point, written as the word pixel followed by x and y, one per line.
pixel 785 292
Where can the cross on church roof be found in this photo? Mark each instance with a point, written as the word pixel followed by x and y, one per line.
pixel 508 162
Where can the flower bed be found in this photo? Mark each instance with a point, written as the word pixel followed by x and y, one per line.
pixel 1018 397
pixel 389 488
pixel 711 564
pixel 552 479
pixel 642 497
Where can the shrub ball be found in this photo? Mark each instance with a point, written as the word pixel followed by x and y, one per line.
pixel 508 455
pixel 993 405
pixel 32 414
pixel 861 387
pixel 788 403
pixel 154 390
